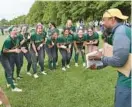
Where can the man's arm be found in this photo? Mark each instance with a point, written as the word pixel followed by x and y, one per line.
pixel 121 47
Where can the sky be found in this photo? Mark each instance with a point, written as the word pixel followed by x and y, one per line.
pixel 10 9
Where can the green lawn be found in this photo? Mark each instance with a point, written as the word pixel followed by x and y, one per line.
pixel 75 88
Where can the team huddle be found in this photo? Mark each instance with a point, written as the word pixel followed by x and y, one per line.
pixel 34 44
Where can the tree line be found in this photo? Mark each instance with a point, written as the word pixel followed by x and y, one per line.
pixel 60 11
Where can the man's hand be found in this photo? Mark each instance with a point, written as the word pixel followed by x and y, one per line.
pixel 97 56
pixel 93 67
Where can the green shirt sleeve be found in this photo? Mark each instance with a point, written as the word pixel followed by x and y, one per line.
pixel 96 36
pixel 7 44
pixel 33 37
pixel 75 37
pixel 48 42
pixel 85 37
pixel 59 39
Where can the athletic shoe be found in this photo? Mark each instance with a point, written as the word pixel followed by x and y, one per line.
pixel 37 64
pixel 19 77
pixel 15 83
pixel 8 85
pixel 57 64
pixel 63 69
pixel 35 76
pixel 68 66
pixel 44 73
pixel 14 80
pixel 16 90
pixel 0 102
pixel 76 64
pixel 84 64
pixel 28 73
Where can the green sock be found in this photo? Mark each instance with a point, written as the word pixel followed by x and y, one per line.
pixel 50 64
pixel 54 64
pixel 76 58
pixel 83 57
pixel 10 81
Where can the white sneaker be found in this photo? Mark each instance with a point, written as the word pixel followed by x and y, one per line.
pixel 0 102
pixel 16 90
pixel 76 64
pixel 68 66
pixel 8 85
pixel 44 73
pixel 35 76
pixel 37 64
pixel 18 78
pixel 63 69
pixel 57 64
pixel 28 73
pixel 84 64
pixel 15 84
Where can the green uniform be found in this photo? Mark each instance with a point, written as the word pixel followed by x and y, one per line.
pixel 52 52
pixel 50 41
pixel 9 60
pixel 38 38
pixel 27 41
pixel 95 36
pixel 66 41
pixel 26 45
pixel 10 44
pixel 79 42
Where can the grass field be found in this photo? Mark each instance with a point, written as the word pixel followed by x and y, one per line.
pixel 75 88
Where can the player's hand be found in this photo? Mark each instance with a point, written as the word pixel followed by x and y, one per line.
pixel 24 50
pixel 28 37
pixel 36 54
pixel 17 50
pixel 38 48
pixel 51 46
pixel 68 50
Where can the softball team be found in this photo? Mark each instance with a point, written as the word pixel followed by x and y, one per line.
pixel 32 44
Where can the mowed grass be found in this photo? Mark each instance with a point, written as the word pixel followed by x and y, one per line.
pixel 77 87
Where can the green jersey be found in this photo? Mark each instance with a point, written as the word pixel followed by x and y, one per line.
pixel 65 40
pixel 38 38
pixel 50 41
pixel 10 43
pixel 80 41
pixel 27 40
pixel 94 37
